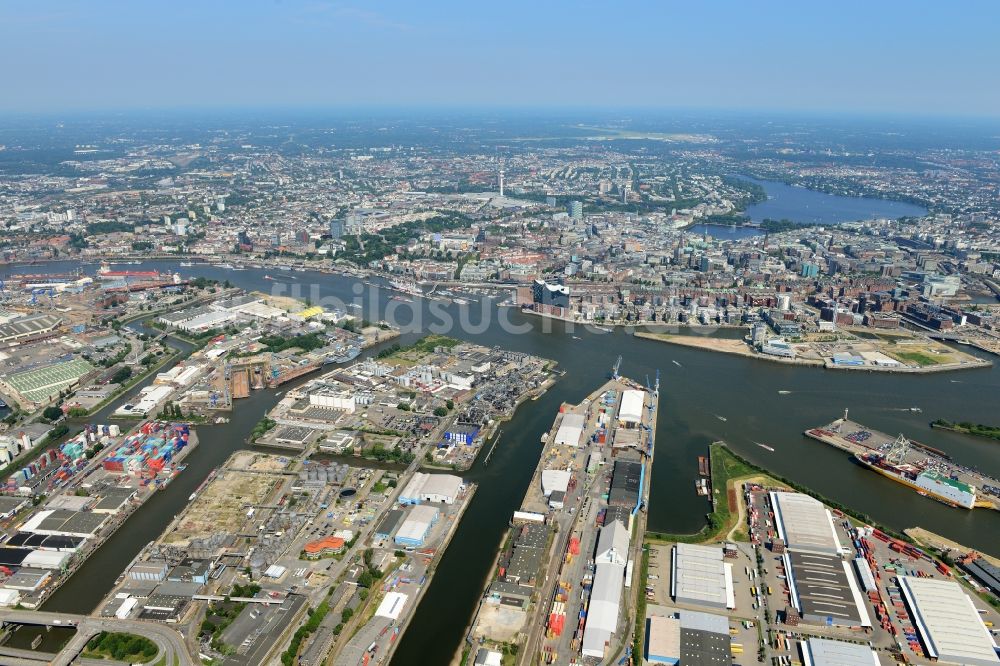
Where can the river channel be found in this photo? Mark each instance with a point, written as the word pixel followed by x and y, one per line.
pixel 697 387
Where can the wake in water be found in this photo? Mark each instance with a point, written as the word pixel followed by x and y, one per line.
pixel 676 363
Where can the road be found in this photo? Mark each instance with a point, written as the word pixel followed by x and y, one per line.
pixel 169 642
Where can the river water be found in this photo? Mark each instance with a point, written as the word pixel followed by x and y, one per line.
pixel 696 388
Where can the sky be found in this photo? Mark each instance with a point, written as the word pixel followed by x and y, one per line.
pixel 907 58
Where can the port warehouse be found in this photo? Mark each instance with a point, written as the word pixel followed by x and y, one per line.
pixel 38 386
pixel 443 488
pixel 688 637
pixel 950 628
pixel 804 524
pixel 822 586
pixel 67 521
pixel 699 576
pixel 824 652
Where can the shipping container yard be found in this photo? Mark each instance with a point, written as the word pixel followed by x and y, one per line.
pixel 87 488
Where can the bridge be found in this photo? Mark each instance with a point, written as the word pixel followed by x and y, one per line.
pixel 169 643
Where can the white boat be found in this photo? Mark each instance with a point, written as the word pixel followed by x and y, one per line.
pixel 354 305
pixel 677 364
pixel 577 337
pixel 459 301
pixel 191 498
pixel 186 264
pixel 721 418
pixel 765 447
pixel 783 392
pixel 604 329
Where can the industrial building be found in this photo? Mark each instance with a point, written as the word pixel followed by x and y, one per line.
pixel 690 638
pixel 35 387
pixel 626 483
pixel 824 652
pixel 630 411
pixel 570 430
pixel 824 591
pixel 416 526
pixel 949 625
pixel 555 483
pixel 663 640
pixel 699 576
pixel 423 487
pixel 804 524
pixel 611 559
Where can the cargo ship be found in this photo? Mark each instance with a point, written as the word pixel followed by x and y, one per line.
pixel 925 481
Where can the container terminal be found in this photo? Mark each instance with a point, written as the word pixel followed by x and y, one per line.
pixel 928 471
pixel 85 490
pixel 562 589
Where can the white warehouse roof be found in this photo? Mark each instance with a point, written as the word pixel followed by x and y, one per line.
pixel 824 652
pixel 555 480
pixel 698 575
pixel 804 524
pixel 948 622
pixel 570 430
pixel 392 605
pixel 602 615
pixel 631 408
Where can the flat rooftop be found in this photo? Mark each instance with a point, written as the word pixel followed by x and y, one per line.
pixel 804 524
pixel 949 624
pixel 825 589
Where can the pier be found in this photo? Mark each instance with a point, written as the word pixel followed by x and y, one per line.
pixel 859 440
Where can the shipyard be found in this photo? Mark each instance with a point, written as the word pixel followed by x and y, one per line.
pixel 927 470
pixel 562 590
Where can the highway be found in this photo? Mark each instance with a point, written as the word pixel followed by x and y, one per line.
pixel 168 641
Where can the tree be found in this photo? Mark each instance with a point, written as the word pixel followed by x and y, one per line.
pixel 440 411
pixel 52 413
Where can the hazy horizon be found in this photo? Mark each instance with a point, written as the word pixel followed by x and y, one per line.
pixel 886 59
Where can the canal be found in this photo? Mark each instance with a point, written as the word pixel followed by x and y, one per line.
pixel 697 388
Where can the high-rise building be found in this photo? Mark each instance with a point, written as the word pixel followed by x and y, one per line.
pixel 336 228
pixel 550 202
pixel 500 182
pixel 544 293
pixel 575 210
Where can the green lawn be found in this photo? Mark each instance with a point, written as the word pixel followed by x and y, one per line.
pixel 725 467
pixel 918 358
